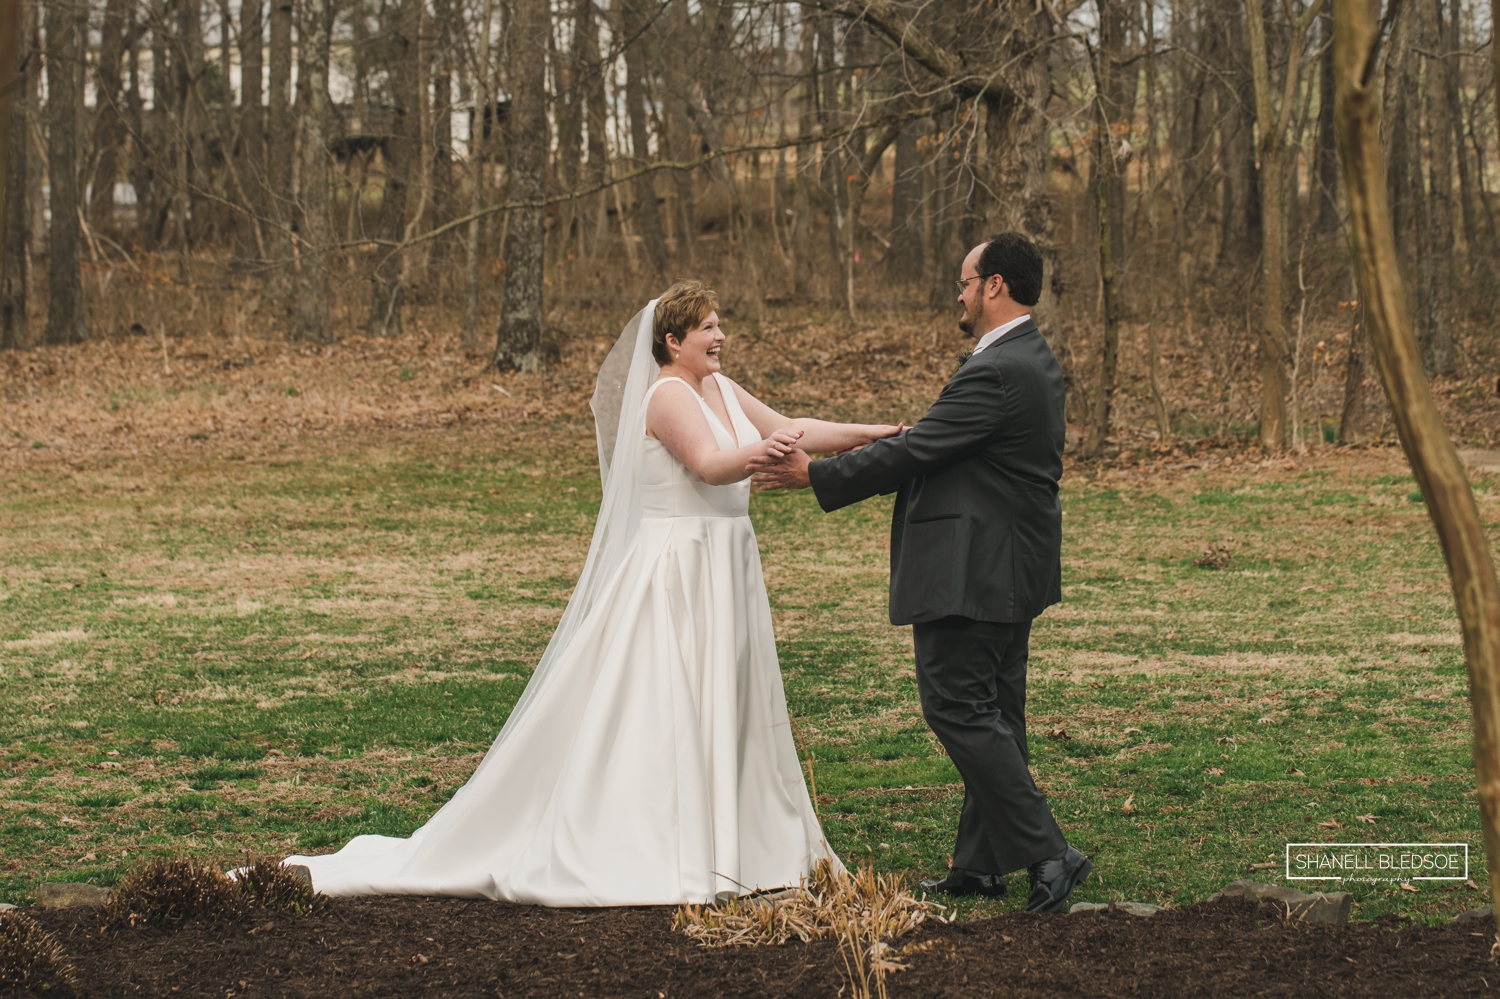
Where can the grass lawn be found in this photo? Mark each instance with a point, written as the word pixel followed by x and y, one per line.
pixel 219 657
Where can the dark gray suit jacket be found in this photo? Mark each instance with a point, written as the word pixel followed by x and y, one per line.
pixel 977 529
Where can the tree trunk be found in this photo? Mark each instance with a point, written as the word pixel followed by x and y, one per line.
pixel 316 225
pixel 680 131
pixel 595 115
pixel 1272 123
pixel 633 22
pixel 478 147
pixel 1467 198
pixel 1352 415
pixel 66 37
pixel 280 143
pixel 518 341
pixel 14 334
pixel 108 125
pixel 187 138
pixel 402 159
pixel 442 124
pixel 1400 137
pixel 1114 97
pixel 252 149
pixel 1439 259
pixel 1017 153
pixel 1450 501
pixel 1326 175
pixel 904 263
pixel 1241 221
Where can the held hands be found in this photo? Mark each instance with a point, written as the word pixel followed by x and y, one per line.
pixel 788 472
pixel 780 444
pixel 784 467
pixel 779 449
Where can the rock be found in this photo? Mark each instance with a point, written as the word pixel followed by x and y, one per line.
pixel 56 895
pixel 1470 915
pixel 1129 908
pixel 1332 907
pixel 1484 461
pixel 301 872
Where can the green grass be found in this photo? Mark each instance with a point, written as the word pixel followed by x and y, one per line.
pixel 230 657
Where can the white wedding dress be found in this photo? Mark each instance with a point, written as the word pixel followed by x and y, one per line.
pixel 650 759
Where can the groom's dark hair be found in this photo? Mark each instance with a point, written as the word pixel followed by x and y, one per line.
pixel 679 309
pixel 1015 258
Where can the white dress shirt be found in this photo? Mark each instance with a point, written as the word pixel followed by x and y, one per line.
pixel 998 332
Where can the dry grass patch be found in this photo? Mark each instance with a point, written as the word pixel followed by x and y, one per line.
pixel 30 957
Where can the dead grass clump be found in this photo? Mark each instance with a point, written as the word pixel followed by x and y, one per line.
pixel 813 911
pixel 31 958
pixel 267 884
pixel 167 890
pixel 1216 556
pixel 861 910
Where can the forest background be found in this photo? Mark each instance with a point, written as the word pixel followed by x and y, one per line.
pixel 518 174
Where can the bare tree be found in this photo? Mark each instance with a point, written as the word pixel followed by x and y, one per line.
pixel 403 145
pixel 316 230
pixel 634 29
pixel 281 137
pixel 1273 119
pixel 1450 501
pixel 67 28
pixel 1114 99
pixel 518 342
pixel 13 54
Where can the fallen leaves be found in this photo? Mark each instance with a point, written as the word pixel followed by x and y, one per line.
pixel 1215 771
pixel 1330 824
pixel 1408 886
pixel 1058 733
pixel 1129 807
pixel 1368 818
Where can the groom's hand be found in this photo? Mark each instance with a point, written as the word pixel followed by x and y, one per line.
pixel 790 472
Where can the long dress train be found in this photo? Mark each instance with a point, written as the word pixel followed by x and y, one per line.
pixel 653 762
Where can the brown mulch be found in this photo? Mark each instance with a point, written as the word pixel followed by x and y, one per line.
pixel 443 947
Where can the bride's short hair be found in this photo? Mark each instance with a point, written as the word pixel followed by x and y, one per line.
pixel 679 309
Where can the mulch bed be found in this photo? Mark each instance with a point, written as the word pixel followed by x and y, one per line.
pixel 452 948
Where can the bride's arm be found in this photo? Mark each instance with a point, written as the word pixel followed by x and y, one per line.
pixel 818 436
pixel 675 418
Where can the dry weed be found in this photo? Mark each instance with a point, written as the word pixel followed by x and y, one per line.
pixel 267 884
pixel 168 890
pixel 30 957
pixel 861 910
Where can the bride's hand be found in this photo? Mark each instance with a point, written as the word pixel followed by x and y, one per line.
pixel 780 444
pixel 887 431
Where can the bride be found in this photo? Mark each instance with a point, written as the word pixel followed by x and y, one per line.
pixel 650 759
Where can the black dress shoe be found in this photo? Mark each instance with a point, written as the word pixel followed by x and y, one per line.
pixel 1052 881
pixel 961 882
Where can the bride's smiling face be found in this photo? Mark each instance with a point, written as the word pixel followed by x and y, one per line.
pixel 698 352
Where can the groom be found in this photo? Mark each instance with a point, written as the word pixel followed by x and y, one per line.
pixel 975 556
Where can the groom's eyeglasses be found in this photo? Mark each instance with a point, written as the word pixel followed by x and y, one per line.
pixel 963 283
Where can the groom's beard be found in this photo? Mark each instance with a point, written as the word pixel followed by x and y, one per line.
pixel 967 322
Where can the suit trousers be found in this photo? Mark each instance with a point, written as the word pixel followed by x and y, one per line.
pixel 972 679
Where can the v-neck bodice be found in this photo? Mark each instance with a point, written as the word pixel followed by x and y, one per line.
pixel 668 489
